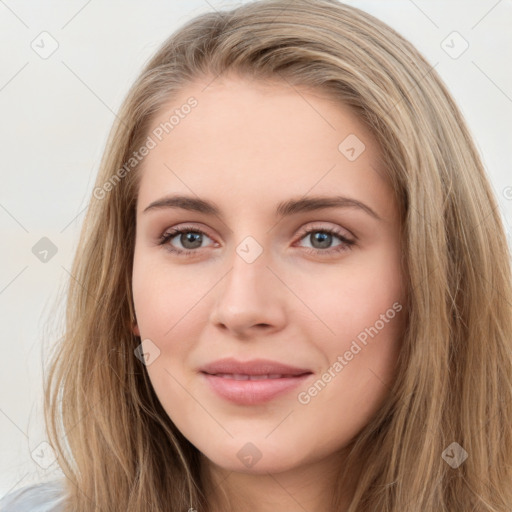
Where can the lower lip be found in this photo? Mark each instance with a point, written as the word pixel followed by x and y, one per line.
pixel 251 392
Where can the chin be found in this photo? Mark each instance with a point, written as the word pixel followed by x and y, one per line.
pixel 260 468
pixel 248 458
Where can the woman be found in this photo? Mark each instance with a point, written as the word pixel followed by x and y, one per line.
pixel 368 370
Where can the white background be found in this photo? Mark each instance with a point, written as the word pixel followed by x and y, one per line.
pixel 55 117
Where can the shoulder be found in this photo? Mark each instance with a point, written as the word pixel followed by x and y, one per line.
pixel 43 497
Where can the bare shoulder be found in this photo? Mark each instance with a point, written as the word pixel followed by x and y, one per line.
pixel 43 497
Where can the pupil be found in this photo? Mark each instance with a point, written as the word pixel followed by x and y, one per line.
pixel 325 239
pixel 192 237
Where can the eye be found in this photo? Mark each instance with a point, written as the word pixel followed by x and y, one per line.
pixel 191 239
pixel 322 238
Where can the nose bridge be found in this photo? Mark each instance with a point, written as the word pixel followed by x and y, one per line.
pixel 248 279
pixel 250 257
pixel 250 294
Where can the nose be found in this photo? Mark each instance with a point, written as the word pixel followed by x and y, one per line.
pixel 250 299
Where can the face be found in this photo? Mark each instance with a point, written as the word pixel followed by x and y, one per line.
pixel 299 292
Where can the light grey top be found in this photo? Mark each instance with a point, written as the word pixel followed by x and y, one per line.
pixel 44 497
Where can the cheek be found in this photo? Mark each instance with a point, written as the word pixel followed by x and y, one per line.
pixel 161 295
pixel 362 311
pixel 350 300
pixel 357 377
pixel 168 308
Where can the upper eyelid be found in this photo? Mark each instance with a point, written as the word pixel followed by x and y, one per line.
pixel 306 230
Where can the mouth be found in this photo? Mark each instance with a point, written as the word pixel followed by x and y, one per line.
pixel 253 382
pixel 241 376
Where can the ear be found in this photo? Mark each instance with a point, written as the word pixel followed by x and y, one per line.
pixel 135 329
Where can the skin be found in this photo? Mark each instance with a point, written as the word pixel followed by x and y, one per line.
pixel 247 146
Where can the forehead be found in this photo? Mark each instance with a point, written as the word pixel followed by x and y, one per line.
pixel 245 139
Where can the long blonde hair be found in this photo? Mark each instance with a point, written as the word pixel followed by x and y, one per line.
pixel 116 445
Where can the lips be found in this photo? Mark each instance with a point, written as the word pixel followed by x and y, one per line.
pixel 238 376
pixel 252 382
pixel 254 367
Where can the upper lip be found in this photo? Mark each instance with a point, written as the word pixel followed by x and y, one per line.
pixel 252 367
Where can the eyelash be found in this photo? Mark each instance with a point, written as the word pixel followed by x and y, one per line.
pixel 346 244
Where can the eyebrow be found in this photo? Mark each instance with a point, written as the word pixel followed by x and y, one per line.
pixel 283 209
